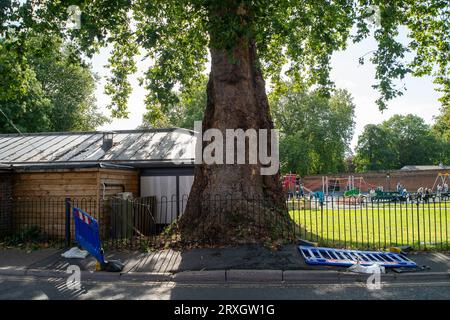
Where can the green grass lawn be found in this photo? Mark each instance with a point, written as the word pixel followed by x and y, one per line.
pixel 376 226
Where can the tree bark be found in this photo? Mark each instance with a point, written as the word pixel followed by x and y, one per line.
pixel 236 99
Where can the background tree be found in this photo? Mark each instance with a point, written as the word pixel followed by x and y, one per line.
pixel 47 88
pixel 398 141
pixel 315 130
pixel 413 140
pixel 441 130
pixel 245 39
pixel 350 166
pixel 23 105
pixel 441 126
pixel 375 150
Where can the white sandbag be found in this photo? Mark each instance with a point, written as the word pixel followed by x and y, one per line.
pixel 373 268
pixel 75 253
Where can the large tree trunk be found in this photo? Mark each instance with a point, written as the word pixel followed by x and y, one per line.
pixel 236 99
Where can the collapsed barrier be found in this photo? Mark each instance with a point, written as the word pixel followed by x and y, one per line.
pixel 87 237
pixel 347 258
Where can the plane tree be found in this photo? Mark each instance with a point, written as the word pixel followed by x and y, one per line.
pixel 246 43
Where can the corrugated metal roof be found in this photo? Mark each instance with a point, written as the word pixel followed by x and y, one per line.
pixel 129 146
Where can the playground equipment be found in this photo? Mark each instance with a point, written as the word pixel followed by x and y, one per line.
pixel 401 194
pixel 441 184
pixel 289 182
pixel 352 186
pixel 293 187
pixel 329 187
pixel 354 189
pixel 380 195
pixel 352 193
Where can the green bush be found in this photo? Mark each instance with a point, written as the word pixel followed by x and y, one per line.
pixel 29 234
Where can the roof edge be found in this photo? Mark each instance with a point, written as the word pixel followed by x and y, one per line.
pixel 70 166
pixel 68 133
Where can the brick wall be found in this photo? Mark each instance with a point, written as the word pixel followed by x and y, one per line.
pixel 411 180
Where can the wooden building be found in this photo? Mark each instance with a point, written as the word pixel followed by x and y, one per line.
pixel 93 167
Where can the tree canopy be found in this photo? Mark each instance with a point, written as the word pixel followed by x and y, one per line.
pixel 23 105
pixel 190 107
pixel 45 88
pixel 375 150
pixel 315 130
pixel 442 124
pixel 399 141
pixel 300 35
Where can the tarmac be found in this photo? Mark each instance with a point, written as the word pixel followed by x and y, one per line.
pixel 242 264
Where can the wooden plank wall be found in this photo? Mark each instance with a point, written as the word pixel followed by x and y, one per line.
pixel 43 194
pixel 127 178
pixel 69 183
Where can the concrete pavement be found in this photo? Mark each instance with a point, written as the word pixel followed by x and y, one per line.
pixel 244 264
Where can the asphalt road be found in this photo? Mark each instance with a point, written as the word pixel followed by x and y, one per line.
pixel 23 287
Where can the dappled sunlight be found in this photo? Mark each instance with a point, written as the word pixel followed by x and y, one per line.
pixel 161 261
pixel 121 290
pixel 64 291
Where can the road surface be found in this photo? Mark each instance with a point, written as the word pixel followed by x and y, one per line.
pixel 27 287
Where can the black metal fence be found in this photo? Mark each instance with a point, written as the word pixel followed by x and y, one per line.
pixel 122 222
pixel 42 220
pixel 5 203
pixel 362 223
pixel 355 222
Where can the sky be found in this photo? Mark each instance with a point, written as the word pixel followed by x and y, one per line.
pixel 420 98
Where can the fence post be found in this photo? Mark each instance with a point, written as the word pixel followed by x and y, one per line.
pixel 68 237
pixel 418 225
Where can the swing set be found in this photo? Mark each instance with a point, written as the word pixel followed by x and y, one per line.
pixel 441 182
pixel 352 185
